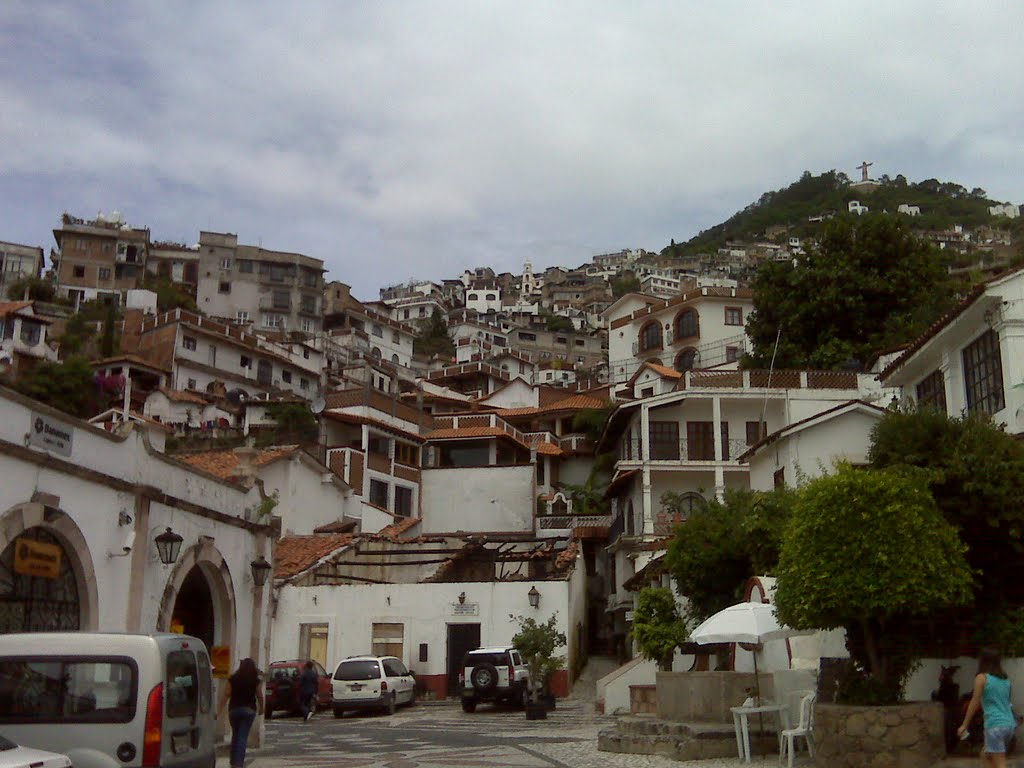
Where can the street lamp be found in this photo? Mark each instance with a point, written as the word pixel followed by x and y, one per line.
pixel 168 544
pixel 260 570
pixel 534 597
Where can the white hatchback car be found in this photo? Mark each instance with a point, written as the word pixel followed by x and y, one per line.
pixel 371 682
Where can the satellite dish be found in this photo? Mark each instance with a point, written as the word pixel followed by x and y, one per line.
pixel 318 405
pixel 237 396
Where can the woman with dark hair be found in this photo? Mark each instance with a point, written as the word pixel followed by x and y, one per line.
pixel 243 694
pixel 992 694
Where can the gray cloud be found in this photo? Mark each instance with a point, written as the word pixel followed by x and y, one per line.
pixel 399 139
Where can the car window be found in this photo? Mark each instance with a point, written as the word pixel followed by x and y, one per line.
pixel 285 673
pixel 90 690
pixel 391 668
pixel 205 682
pixel 357 670
pixel 319 670
pixel 499 659
pixel 403 671
pixel 516 659
pixel 182 684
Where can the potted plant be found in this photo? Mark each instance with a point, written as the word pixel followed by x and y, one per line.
pixel 536 643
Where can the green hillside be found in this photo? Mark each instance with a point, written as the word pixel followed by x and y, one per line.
pixel 942 205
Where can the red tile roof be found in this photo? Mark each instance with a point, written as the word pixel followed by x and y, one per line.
pixel 10 307
pixel 224 464
pixel 572 403
pixel 350 418
pixel 295 554
pixel 182 396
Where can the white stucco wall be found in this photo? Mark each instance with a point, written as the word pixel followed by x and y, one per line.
pixel 478 499
pixel 306 498
pixel 424 610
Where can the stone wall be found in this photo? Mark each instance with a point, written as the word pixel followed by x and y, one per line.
pixel 901 736
pixel 705 697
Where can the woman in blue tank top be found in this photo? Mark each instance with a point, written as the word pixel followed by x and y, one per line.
pixel 992 694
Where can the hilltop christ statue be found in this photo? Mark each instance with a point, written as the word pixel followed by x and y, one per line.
pixel 863 168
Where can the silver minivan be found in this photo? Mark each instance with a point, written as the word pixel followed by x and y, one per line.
pixel 110 700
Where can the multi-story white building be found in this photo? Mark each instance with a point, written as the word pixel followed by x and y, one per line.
pixel 16 263
pixel 270 290
pixel 22 336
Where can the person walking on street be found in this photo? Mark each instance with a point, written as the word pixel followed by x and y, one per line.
pixel 992 694
pixel 243 695
pixel 309 682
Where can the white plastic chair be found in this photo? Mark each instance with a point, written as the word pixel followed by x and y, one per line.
pixel 803 728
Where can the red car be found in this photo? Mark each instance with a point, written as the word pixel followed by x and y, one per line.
pixel 282 687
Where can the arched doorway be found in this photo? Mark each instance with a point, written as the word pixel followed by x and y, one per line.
pixel 39 591
pixel 193 608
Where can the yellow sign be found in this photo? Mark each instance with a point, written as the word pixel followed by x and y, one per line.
pixel 220 658
pixel 177 627
pixel 34 558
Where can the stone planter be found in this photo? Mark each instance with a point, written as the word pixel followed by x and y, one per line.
pixel 900 736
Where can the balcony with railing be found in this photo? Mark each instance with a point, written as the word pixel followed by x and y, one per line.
pixel 681 451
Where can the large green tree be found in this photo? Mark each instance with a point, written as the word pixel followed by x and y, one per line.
pixel 868 550
pixel 869 284
pixel 976 474
pixel 722 544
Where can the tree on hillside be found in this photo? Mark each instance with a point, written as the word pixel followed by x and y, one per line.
pixel 867 550
pixel 627 283
pixel 657 626
pixel 433 338
pixel 870 284
pixel 69 386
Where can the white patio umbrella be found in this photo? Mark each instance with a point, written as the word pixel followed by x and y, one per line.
pixel 751 623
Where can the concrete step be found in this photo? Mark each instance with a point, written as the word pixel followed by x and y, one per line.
pixel 640 735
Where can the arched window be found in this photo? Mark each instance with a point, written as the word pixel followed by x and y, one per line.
pixel 650 336
pixel 38 603
pixel 690 503
pixel 472 297
pixel 686 324
pixel 686 360
pixel 394 359
pixel 628 518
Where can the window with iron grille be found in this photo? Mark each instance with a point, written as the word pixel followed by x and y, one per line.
pixel 983 374
pixel 931 391
pixel 664 437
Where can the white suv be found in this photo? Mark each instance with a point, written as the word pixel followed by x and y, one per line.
pixel 494 674
pixel 371 682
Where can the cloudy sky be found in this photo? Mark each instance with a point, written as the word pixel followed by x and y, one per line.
pixel 402 139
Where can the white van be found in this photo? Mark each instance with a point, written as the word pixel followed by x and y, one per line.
pixel 109 700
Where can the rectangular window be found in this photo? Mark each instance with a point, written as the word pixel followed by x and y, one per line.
pixel 104 273
pixel 242 316
pixel 734 316
pixel 286 377
pixel 541 463
pixel 395 338
pixel 245 361
pixel 561 340
pixel 664 437
pixel 281 300
pixel 48 690
pixel 755 431
pixel 303 383
pixel 378 331
pixel 225 263
pixel 31 333
pixel 779 478
pixel 725 441
pixel 379 494
pixel 579 342
pixel 403 501
pixel 387 640
pixel 524 336
pixel 700 440
pixel 182 684
pixel 407 454
pixel 983 374
pixel 932 391
pixel 647 392
pixel 191 384
pixel 223 287
pixel 732 354
pixel 309 304
pixel 245 265
pixel 212 356
pixel 306 326
pixel 188 342
pixel 79 271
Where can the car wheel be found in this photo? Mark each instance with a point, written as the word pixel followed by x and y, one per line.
pixel 339 712
pixel 468 705
pixel 484 677
pixel 391 705
pixel 412 697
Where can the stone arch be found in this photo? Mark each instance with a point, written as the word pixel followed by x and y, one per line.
pixel 205 557
pixel 61 526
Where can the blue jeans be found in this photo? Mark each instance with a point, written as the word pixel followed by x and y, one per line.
pixel 241 719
